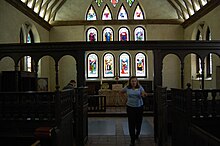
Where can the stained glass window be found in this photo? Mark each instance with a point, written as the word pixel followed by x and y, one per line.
pixel 122 15
pixel 92 35
pixel 114 2
pixel 130 2
pixel 91 14
pixel 139 34
pixel 140 65
pixel 106 15
pixel 108 34
pixel 92 65
pixel 108 65
pixel 123 34
pixel 124 65
pixel 99 2
pixel 138 13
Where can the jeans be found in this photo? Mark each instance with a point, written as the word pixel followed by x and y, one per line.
pixel 135 117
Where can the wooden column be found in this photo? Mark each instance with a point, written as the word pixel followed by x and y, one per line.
pixel 182 74
pixel 80 64
pixel 57 75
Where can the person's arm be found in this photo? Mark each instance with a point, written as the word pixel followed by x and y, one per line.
pixel 143 93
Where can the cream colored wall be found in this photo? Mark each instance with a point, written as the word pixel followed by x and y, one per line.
pixel 67 33
pixel 164 32
pixel 67 70
pixel 171 72
pixel 210 19
pixel 11 22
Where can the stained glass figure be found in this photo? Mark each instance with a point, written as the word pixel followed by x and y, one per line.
pixel 92 35
pixel 108 34
pixel 108 65
pixel 124 65
pixel 91 14
pixel 139 34
pixel 138 13
pixel 99 2
pixel 114 2
pixel 106 14
pixel 140 65
pixel 130 2
pixel 92 65
pixel 123 34
pixel 122 15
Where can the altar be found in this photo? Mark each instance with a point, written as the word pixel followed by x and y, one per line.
pixel 113 98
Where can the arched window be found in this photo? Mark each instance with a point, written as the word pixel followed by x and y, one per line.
pixel 106 15
pixel 92 66
pixel 139 34
pixel 198 59
pixel 108 65
pixel 108 34
pixel 140 65
pixel 204 33
pixel 114 2
pixel 124 66
pixel 138 13
pixel 91 14
pixel 28 60
pixel 123 34
pixel 26 63
pixel 122 13
pixel 209 69
pixel 92 35
pixel 130 2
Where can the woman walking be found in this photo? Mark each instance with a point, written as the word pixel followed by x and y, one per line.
pixel 134 92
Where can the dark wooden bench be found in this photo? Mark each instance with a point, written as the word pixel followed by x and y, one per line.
pixel 23 116
pixel 196 117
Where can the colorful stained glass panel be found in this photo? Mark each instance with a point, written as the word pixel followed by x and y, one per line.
pixel 139 34
pixel 91 15
pixel 92 66
pixel 123 34
pixel 138 14
pixel 122 15
pixel 108 34
pixel 108 65
pixel 114 2
pixel 124 65
pixel 140 65
pixel 92 35
pixel 106 14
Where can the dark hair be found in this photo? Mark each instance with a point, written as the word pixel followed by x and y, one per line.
pixel 72 81
pixel 129 82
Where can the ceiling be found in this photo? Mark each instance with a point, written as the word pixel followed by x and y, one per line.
pixel 75 10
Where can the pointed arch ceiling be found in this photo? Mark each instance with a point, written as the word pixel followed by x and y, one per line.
pixel 75 10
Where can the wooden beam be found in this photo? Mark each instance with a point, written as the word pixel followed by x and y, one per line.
pixel 202 12
pixel 30 13
pixel 117 22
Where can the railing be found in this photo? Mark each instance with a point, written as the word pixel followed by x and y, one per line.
pixel 200 107
pixel 21 113
pixel 97 103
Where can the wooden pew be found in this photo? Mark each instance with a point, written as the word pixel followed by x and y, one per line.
pixel 195 114
pixel 21 113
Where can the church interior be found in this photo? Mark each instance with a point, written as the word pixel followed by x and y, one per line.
pixel 171 46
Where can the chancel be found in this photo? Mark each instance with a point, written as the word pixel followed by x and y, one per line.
pixel 172 47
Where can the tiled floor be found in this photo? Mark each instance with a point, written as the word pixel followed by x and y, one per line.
pixel 113 131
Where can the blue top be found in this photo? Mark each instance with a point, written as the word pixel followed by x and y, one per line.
pixel 134 96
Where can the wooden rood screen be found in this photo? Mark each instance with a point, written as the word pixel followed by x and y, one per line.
pixel 196 117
